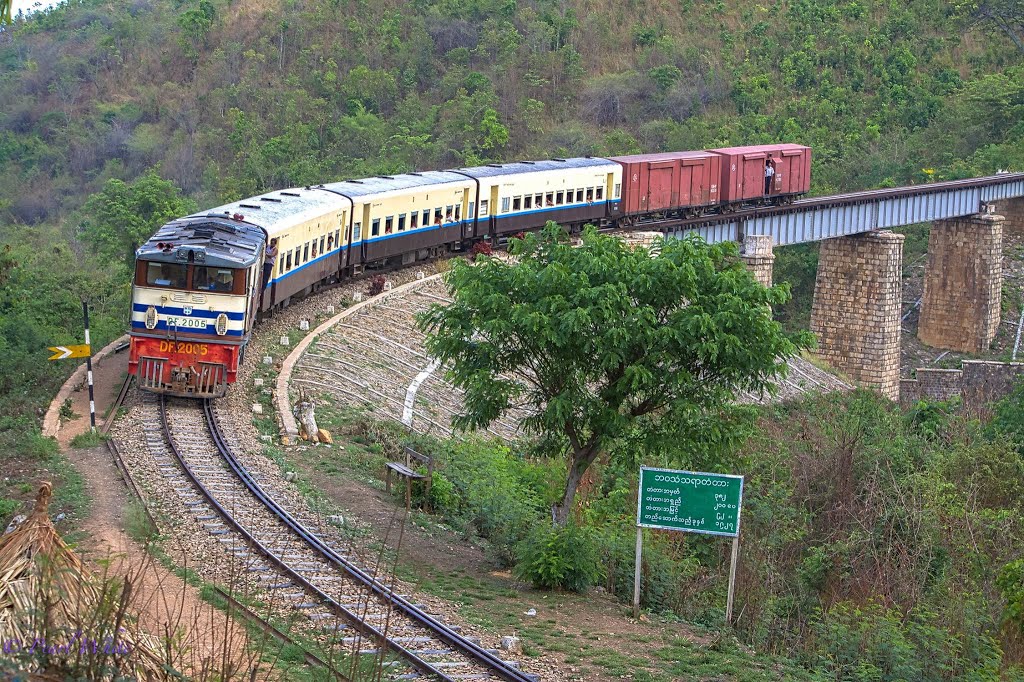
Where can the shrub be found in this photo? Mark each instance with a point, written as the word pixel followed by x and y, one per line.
pixel 481 248
pixel 377 283
pixel 560 558
pixel 7 510
pixel 483 490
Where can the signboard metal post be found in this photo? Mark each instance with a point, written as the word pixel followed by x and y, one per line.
pixel 691 502
pixel 88 368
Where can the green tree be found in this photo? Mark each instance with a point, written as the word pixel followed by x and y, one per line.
pixel 122 216
pixel 603 341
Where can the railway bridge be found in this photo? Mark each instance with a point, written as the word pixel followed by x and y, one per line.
pixel 856 312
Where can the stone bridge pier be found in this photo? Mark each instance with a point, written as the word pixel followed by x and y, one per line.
pixel 963 283
pixel 758 256
pixel 856 309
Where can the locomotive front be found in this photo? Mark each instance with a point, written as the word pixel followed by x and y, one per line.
pixel 194 301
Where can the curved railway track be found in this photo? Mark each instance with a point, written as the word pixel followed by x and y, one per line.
pixel 347 609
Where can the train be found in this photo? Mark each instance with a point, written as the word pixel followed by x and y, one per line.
pixel 200 284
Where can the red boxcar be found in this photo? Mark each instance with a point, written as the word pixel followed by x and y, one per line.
pixel 743 171
pixel 673 180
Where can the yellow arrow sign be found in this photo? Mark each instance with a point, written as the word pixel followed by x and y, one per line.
pixel 68 352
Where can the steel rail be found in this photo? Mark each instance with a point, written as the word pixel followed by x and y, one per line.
pixel 267 627
pixel 407 608
pixel 118 401
pixel 364 627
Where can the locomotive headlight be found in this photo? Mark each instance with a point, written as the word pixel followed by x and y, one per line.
pixel 222 324
pixel 150 317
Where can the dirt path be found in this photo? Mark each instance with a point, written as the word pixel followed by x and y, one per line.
pixel 107 378
pixel 164 602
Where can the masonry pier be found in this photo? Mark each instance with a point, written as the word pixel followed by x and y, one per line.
pixel 856 310
pixel 759 257
pixel 963 283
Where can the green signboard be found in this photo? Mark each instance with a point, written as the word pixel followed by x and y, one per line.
pixel 690 501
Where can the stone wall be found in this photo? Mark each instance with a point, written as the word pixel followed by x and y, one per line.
pixel 931 384
pixel 856 310
pixel 758 255
pixel 963 283
pixel 986 382
pixel 978 384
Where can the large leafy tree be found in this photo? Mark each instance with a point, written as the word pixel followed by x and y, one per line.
pixel 122 216
pixel 603 341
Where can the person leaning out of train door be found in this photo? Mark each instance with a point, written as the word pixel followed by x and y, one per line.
pixel 269 256
pixel 769 173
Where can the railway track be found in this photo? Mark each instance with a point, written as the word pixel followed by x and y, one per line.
pixel 344 608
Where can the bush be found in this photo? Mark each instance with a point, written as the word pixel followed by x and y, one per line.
pixel 7 510
pixel 560 558
pixel 481 248
pixel 377 283
pixel 483 490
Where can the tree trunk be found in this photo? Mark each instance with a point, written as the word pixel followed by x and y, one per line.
pixel 581 461
pixel 305 413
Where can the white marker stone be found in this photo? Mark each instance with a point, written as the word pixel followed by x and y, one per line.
pixel 330 310
pixel 258 381
pixel 257 408
pixel 420 274
pixel 268 360
pixel 285 341
pixel 304 325
pixel 357 297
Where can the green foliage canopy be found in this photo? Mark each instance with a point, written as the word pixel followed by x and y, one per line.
pixel 597 341
pixel 123 216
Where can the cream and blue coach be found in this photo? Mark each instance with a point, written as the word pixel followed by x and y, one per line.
pixel 513 197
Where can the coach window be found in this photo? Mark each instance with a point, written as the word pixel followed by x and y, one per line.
pixel 560 198
pixel 337 237
pixel 579 196
pixel 618 190
pixel 448 213
pixel 472 205
pixel 414 220
pixel 483 208
pixel 426 217
pixel 357 228
pixel 517 204
pixel 600 193
pixel 590 194
pixel 375 227
pixel 389 224
pixel 305 253
pixel 505 202
pixel 528 201
pixel 401 223
pixel 170 275
pixel 458 212
pixel 549 199
pixel 321 244
pixel 287 262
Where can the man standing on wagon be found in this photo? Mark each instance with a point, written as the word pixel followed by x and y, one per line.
pixel 769 174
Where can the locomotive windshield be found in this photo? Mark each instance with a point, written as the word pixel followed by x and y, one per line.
pixel 190 277
pixel 213 279
pixel 169 275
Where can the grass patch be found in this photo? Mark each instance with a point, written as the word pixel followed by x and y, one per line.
pixel 138 524
pixel 89 439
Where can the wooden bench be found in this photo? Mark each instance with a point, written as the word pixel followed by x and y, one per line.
pixel 405 470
